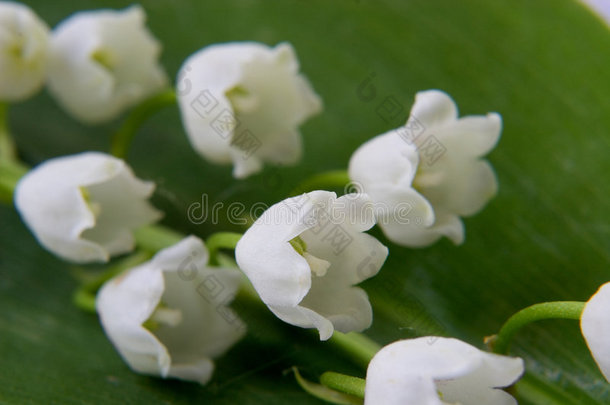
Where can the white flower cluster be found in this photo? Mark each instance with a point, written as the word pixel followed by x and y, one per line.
pixel 168 317
pixel 243 103
pixel 434 165
pixel 439 371
pixel 96 64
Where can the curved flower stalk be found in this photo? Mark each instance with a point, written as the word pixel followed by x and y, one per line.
pixel 595 326
pixel 103 62
pixel 23 51
pixel 303 256
pixel 168 317
pixel 430 172
pixel 85 207
pixel 243 103
pixel 438 371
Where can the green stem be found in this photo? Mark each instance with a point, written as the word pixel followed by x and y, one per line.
pixel 84 296
pixel 221 240
pixel 357 346
pixel 8 151
pixel 325 393
pixel 10 174
pixel 323 181
pixel 124 136
pixel 153 238
pixel 344 383
pixel 537 312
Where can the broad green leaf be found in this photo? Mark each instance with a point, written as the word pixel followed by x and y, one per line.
pixel 542 64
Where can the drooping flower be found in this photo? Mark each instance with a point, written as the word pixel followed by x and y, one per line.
pixel 103 62
pixel 85 207
pixel 426 175
pixel 303 256
pixel 23 51
pixel 243 103
pixel 169 317
pixel 595 327
pixel 438 371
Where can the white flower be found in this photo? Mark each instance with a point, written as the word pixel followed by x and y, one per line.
pixel 435 370
pixel 595 326
pixel 103 62
pixel 23 51
pixel 243 102
pixel 84 207
pixel 303 256
pixel 168 317
pixel 429 173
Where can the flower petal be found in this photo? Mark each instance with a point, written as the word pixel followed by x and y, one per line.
pixel 384 160
pixel 410 372
pixel 464 188
pixel 103 62
pixel 176 278
pixel 472 136
pixel 304 318
pixel 124 303
pixel 347 309
pixel 433 108
pixel 331 245
pixel 242 102
pixel 51 202
pixel 595 326
pixel 279 274
pixel 23 51
pixel 495 372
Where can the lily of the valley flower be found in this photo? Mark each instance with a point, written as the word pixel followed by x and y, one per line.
pixel 303 256
pixel 595 326
pixel 429 173
pixel 243 103
pixel 84 207
pixel 23 51
pixel 439 371
pixel 103 62
pixel 168 317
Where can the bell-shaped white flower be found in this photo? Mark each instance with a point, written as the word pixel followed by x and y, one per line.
pixel 595 327
pixel 169 317
pixel 23 51
pixel 103 62
pixel 85 207
pixel 243 103
pixel 439 371
pixel 303 256
pixel 426 175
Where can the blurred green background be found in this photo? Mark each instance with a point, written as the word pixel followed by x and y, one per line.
pixel 542 64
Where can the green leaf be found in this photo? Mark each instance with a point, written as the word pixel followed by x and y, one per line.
pixel 542 64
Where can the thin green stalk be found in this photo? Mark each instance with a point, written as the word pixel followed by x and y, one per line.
pixel 323 181
pixel 153 238
pixel 547 310
pixel 124 136
pixel 10 174
pixel 344 383
pixel 357 346
pixel 325 393
pixel 8 151
pixel 221 240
